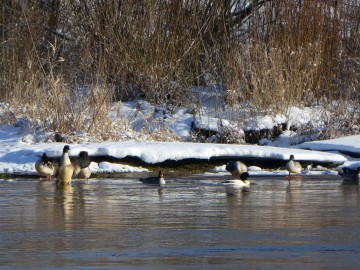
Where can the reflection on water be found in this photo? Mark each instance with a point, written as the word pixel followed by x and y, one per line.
pixel 307 223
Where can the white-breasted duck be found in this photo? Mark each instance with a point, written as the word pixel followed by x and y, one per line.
pixel 81 166
pixel 157 180
pixel 66 168
pixel 242 182
pixel 293 166
pixel 45 167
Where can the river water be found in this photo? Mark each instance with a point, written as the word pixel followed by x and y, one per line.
pixel 191 223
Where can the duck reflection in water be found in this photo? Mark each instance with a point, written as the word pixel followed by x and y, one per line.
pixel 64 203
pixel 351 176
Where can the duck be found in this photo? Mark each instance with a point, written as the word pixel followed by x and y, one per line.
pixel 81 166
pixel 66 168
pixel 243 181
pixel 293 166
pixel 45 167
pixel 350 174
pixel 157 180
pixel 236 168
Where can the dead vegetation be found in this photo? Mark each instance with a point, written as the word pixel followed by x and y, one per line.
pixel 63 63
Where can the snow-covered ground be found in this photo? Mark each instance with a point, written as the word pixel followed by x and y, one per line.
pixel 19 157
pixel 350 145
pixel 20 147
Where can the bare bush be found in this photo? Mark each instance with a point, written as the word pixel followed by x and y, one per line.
pixel 273 54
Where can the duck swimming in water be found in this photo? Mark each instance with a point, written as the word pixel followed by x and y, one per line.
pixel 235 185
pixel 157 180
pixel 242 182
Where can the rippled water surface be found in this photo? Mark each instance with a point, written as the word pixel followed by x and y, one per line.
pixel 309 223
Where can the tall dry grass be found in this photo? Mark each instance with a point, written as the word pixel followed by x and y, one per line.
pixel 272 54
pixel 296 56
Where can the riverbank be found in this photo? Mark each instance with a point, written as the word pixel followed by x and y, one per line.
pixel 17 158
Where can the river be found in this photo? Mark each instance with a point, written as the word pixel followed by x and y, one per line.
pixel 190 223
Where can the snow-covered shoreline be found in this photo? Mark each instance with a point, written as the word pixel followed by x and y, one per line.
pixel 18 157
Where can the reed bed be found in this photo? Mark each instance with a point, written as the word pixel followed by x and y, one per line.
pixel 64 63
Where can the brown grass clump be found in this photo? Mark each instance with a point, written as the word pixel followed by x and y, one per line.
pixel 58 108
pixel 273 78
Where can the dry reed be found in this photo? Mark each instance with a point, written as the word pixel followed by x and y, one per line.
pixel 272 54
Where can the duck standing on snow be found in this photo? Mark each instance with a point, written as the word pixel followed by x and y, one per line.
pixel 45 167
pixel 236 168
pixel 158 180
pixel 81 166
pixel 66 168
pixel 293 166
pixel 350 174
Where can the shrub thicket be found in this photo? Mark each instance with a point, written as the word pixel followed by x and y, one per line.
pixel 272 53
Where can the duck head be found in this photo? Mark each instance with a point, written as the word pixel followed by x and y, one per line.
pixel 66 148
pixel 83 154
pixel 45 158
pixel 244 176
pixel 230 166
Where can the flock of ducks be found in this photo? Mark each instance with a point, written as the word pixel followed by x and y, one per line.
pixel 66 169
pixel 240 174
